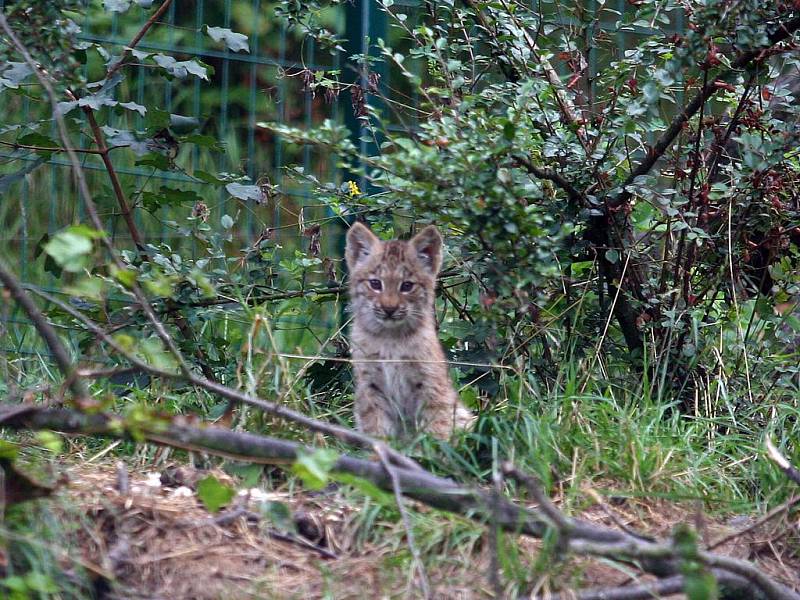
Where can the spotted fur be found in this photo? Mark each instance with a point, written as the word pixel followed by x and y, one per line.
pixel 402 381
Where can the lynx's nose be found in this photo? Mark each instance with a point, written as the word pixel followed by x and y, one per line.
pixel 389 310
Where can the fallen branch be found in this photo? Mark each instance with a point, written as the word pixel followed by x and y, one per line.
pixel 738 579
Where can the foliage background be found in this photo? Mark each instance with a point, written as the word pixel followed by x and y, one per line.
pixel 618 301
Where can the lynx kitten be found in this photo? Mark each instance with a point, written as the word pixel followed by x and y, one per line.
pixel 391 295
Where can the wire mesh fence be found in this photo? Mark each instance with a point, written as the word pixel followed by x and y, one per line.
pixel 243 89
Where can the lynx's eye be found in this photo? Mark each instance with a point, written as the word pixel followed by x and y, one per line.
pixel 376 284
pixel 406 286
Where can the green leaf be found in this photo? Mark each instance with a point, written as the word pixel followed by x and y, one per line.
pixel 86 231
pixel 226 221
pixel 509 129
pixel 204 141
pixel 142 110
pixel 91 288
pixel 700 585
pixel 126 277
pixel 249 474
pixel 212 179
pixel 158 161
pixel 49 440
pixel 121 6
pixel 246 192
pixel 70 250
pixel 367 488
pixel 126 342
pixel 13 74
pixel 40 582
pixel 182 124
pixel 154 353
pixel 8 449
pixel 167 196
pixel 213 493
pixel 314 468
pixel 181 69
pixel 234 41
pixel 16 584
pixel 37 139
pixel 156 120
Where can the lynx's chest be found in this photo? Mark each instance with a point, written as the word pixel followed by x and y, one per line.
pixel 398 369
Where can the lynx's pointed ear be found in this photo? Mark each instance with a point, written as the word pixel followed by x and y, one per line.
pixel 428 245
pixel 361 242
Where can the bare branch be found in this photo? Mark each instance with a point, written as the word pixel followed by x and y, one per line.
pixel 575 196
pixel 138 37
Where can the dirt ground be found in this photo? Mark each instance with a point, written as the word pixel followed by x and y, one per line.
pixel 157 541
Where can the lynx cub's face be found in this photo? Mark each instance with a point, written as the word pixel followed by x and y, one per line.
pixel 392 283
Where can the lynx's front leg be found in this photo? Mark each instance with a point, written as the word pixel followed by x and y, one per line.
pixel 372 410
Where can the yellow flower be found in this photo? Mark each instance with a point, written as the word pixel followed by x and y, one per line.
pixel 353 189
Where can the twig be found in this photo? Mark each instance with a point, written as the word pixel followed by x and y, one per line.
pixel 116 185
pixel 18 146
pixel 788 469
pixel 138 37
pixel 380 450
pixel 665 587
pixel 575 196
pixel 535 489
pixel 775 512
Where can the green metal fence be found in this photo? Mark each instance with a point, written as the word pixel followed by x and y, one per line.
pixel 246 87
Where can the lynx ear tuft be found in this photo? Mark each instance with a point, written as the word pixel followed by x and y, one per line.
pixel 361 242
pixel 428 244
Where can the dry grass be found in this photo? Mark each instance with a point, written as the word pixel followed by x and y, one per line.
pixel 155 543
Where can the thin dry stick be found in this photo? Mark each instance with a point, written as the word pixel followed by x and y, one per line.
pixel 116 185
pixel 494 537
pixel 775 512
pixel 788 469
pixel 535 489
pixel 380 450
